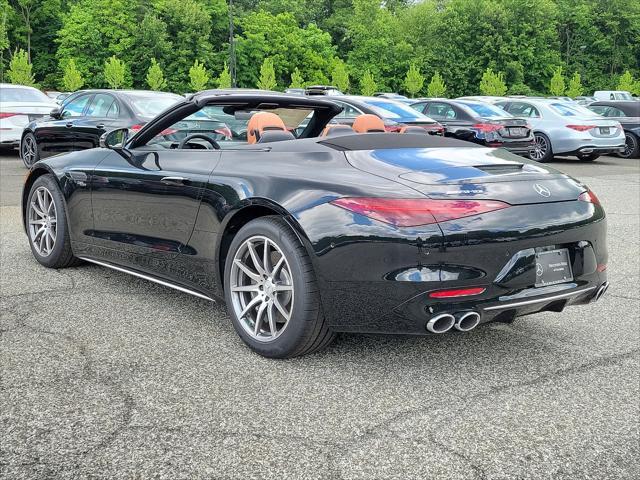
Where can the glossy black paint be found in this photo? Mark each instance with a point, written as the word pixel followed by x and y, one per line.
pixel 373 277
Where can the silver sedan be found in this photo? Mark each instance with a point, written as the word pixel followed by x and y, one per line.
pixel 564 128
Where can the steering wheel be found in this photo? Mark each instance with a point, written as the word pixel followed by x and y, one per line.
pixel 201 136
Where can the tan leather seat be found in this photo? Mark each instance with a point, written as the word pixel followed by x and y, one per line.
pixel 368 123
pixel 261 122
pixel 334 130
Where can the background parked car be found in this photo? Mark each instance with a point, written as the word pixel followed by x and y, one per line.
pixel 612 95
pixel 562 128
pixel 20 105
pixel 394 114
pixel 628 114
pixel 395 96
pixel 480 123
pixel 83 117
pixel 322 90
pixel 584 100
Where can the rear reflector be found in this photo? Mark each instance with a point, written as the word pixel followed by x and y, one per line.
pixel 458 292
pixel 487 127
pixel 589 197
pixel 581 128
pixel 601 267
pixel 7 114
pixel 410 212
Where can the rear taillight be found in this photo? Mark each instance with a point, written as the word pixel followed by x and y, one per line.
pixel 458 292
pixel 392 128
pixel 580 128
pixel 136 128
pixel 487 127
pixel 589 197
pixel 409 212
pixel 7 114
pixel 433 128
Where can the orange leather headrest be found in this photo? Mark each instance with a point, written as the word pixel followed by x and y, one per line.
pixel 260 122
pixel 368 123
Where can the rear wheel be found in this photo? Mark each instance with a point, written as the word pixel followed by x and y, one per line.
pixel 29 150
pixel 542 151
pixel 271 291
pixel 590 157
pixel 631 146
pixel 47 224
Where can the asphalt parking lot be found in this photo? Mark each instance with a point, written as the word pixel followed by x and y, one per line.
pixel 103 375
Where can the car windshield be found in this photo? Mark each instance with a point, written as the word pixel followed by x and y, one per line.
pixel 24 95
pixel 395 110
pixel 572 110
pixel 485 110
pixel 152 104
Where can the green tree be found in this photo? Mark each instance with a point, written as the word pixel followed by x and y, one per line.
pixel 155 77
pixel 114 72
pixel 4 37
pixel 557 86
pixel 368 84
pixel 267 80
pixel 575 86
pixel 224 79
pixel 436 87
pixel 297 81
pixel 492 83
pixel 413 81
pixel 198 76
pixel 340 76
pixel 20 69
pixel 72 78
pixel 626 82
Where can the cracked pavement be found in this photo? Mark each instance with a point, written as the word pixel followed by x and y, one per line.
pixel 106 376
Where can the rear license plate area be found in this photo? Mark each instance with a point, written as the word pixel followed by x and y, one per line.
pixel 517 132
pixel 553 267
pixel 605 131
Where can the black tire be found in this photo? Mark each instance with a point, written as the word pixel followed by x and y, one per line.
pixel 589 157
pixel 61 255
pixel 29 150
pixel 543 151
pixel 632 146
pixel 306 331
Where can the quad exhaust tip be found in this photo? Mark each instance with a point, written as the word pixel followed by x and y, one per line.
pixel 467 321
pixel 601 291
pixel 441 323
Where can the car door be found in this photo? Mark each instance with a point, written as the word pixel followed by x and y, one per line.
pixel 58 135
pixel 450 117
pixel 102 114
pixel 146 202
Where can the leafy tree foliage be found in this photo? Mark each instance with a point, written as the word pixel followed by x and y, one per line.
pixel 115 72
pixel 20 69
pixel 436 88
pixel 198 76
pixel 492 83
pixel 72 78
pixel 575 87
pixel 224 79
pixel 626 82
pixel 340 76
pixel 557 86
pixel 155 77
pixel 297 80
pixel 368 84
pixel 413 81
pixel 267 80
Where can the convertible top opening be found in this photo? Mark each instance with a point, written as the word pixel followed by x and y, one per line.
pixel 377 141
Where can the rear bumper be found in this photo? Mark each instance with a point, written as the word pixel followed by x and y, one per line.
pixel 596 150
pixel 10 137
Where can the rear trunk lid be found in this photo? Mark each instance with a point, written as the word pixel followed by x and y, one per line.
pixel 28 107
pixel 469 173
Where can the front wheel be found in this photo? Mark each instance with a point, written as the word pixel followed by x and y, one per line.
pixel 631 146
pixel 29 150
pixel 590 157
pixel 271 291
pixel 542 151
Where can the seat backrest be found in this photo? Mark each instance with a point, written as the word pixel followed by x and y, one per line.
pixel 335 130
pixel 368 123
pixel 413 129
pixel 260 122
pixel 275 136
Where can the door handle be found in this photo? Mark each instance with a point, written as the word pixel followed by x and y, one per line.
pixel 69 125
pixel 175 181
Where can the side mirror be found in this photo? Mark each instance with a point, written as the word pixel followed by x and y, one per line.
pixel 56 113
pixel 115 139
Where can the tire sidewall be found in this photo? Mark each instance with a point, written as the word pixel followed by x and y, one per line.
pixel 62 236
pixel 29 165
pixel 636 147
pixel 305 298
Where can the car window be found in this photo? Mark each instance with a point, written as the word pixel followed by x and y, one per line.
pixel 485 110
pixel 418 107
pixel 8 94
pixel 348 111
pixel 75 107
pixel 521 109
pixel 439 110
pixel 571 110
pixel 100 105
pixel 152 103
pixel 114 110
pixel 393 110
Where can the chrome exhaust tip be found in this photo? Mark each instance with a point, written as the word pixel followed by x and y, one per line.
pixel 441 323
pixel 467 321
pixel 601 291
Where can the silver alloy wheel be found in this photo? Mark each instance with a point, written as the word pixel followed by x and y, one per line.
pixel 29 150
pixel 43 227
pixel 262 290
pixel 629 145
pixel 540 148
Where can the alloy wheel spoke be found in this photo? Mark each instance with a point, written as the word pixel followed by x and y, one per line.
pixel 259 319
pixel 254 301
pixel 283 288
pixel 37 210
pixel 246 288
pixel 277 267
pixel 272 321
pixel 254 258
pixel 281 309
pixel 251 274
pixel 39 221
pixel 39 232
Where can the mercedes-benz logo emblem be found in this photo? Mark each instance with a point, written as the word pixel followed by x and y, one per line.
pixel 539 270
pixel 542 190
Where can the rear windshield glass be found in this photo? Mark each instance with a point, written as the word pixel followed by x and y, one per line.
pixel 485 110
pixel 572 110
pixel 152 105
pixel 23 95
pixel 395 110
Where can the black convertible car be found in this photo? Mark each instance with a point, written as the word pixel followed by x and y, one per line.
pixel 304 237
pixel 628 114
